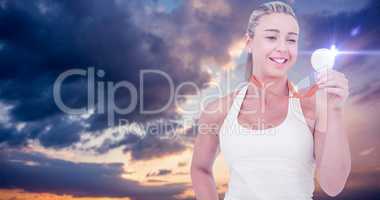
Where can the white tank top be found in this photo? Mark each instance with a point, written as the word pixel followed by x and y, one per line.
pixel 269 164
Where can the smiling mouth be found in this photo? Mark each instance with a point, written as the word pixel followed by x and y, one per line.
pixel 278 60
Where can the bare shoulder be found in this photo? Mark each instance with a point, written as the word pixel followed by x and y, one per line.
pixel 206 145
pixel 215 111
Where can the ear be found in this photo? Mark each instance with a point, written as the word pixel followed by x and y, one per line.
pixel 248 43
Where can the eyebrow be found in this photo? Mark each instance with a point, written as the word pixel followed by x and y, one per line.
pixel 278 31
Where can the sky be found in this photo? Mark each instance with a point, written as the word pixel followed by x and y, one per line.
pixel 126 59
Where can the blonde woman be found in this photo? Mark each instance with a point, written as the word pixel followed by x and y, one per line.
pixel 272 138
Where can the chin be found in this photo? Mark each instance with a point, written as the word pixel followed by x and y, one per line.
pixel 277 68
pixel 278 73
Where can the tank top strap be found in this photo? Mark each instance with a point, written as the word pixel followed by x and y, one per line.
pixel 296 109
pixel 295 100
pixel 236 104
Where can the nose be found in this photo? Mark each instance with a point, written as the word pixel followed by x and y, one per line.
pixel 282 46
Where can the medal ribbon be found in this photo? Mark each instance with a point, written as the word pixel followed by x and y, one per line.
pixel 295 93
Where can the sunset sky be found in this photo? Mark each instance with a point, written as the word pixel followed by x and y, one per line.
pixel 46 153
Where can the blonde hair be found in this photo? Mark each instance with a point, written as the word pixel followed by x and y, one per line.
pixel 263 9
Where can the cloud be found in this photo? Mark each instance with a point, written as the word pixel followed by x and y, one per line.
pixel 160 172
pixel 331 8
pixel 152 140
pixel 182 164
pixel 77 179
pixel 55 132
pixel 40 40
pixel 153 147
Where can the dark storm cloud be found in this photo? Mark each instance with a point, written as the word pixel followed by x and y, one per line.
pixel 11 137
pixel 209 36
pixel 152 140
pixel 160 172
pixel 62 133
pixel 144 147
pixel 204 32
pixel 54 132
pixel 109 144
pixel 153 147
pixel 36 173
pixel 41 39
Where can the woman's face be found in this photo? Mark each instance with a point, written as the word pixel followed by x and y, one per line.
pixel 275 44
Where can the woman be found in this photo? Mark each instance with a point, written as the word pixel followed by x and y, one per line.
pixel 272 138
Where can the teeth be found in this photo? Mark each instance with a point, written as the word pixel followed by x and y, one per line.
pixel 279 60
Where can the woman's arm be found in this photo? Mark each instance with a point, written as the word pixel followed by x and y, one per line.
pixel 332 153
pixel 206 148
pixel 205 152
pixel 332 150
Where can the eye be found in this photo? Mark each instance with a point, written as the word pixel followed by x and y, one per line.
pixel 271 38
pixel 292 41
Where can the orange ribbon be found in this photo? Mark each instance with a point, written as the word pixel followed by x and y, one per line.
pixel 295 93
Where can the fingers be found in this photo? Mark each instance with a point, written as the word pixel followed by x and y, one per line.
pixel 323 79
pixel 334 83
pixel 333 78
pixel 331 73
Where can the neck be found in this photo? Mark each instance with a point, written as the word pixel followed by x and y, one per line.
pixel 273 86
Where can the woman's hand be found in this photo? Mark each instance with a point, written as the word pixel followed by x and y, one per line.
pixel 336 85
